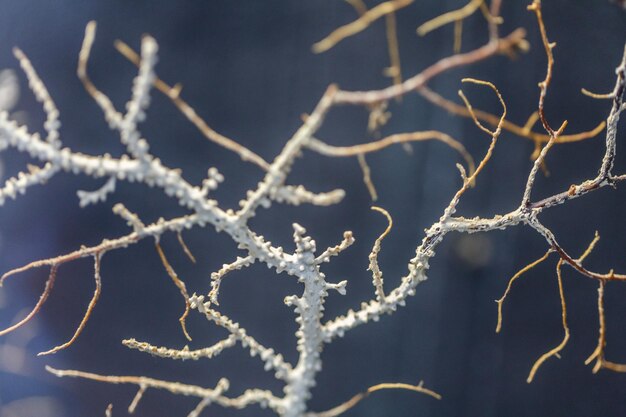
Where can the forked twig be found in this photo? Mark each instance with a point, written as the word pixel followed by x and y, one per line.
pixel 42 299
pixel 96 295
pixel 555 351
pixel 469 181
pixel 144 383
pixel 598 353
pixel 520 131
pixel 179 284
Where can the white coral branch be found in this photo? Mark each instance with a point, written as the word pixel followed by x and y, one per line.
pixel 52 123
pixel 100 195
pixel 184 353
pixel 216 277
pixel 271 359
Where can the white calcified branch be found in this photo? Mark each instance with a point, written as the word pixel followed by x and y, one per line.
pixel 86 198
pixel 267 355
pixel 345 243
pixel 52 123
pixel 216 277
pixel 18 184
pixel 296 195
pixel 184 353
pixel 131 218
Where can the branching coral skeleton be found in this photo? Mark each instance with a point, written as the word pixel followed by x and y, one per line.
pixel 305 263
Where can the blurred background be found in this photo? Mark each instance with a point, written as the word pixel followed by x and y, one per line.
pixel 249 71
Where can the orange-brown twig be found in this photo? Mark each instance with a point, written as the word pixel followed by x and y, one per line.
pixel 598 353
pixel 492 15
pixel 179 284
pixel 555 351
pixel 514 278
pixel 141 381
pixel 42 299
pixel 521 131
pixel 469 181
pixel 360 24
pixel 358 5
pixel 450 17
pixel 367 176
pixel 395 69
pixel 90 307
pixel 548 46
pixel 543 88
pixel 458 36
pixel 375 146
pixel 183 245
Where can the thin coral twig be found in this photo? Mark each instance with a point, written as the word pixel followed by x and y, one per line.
pixel 469 181
pixel 358 5
pixel 42 299
pixel 96 295
pixel 360 24
pixel 458 36
pixel 514 278
pixel 449 17
pixel 492 15
pixel 520 131
pixel 395 69
pixel 183 245
pixel 138 396
pixel 598 353
pixel 367 176
pixel 566 334
pixel 343 407
pixel 607 96
pixel 548 46
pixel 375 146
pixel 144 383
pixel 556 350
pixel 179 284
pixel 599 350
pixel 543 88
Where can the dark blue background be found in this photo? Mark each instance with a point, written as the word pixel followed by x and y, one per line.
pixel 247 68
